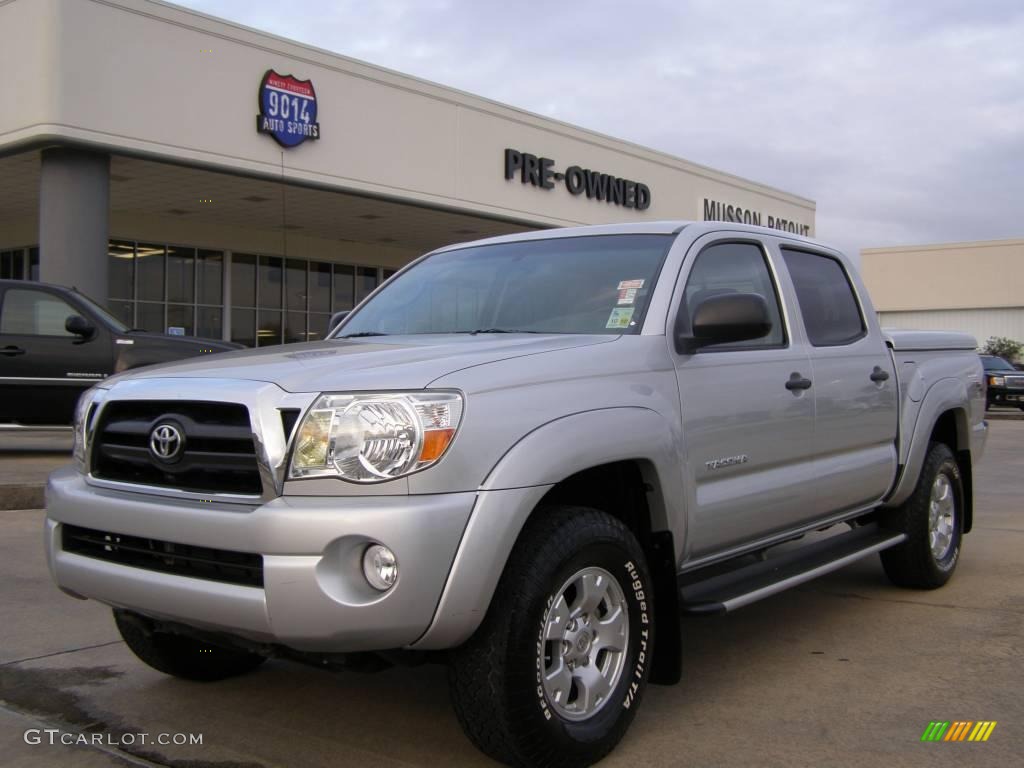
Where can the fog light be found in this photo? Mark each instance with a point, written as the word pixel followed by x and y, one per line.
pixel 380 567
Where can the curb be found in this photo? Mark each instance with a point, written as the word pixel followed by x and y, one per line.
pixel 1004 415
pixel 21 496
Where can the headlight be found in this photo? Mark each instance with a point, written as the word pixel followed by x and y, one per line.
pixel 996 381
pixel 83 423
pixel 368 438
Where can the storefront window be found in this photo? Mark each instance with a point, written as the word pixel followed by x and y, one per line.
pixel 344 287
pixel 366 282
pixel 12 264
pixel 149 272
pixel 121 270
pixel 180 290
pixel 181 275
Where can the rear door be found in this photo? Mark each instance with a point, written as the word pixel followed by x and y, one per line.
pixel 43 368
pixel 854 383
pixel 748 436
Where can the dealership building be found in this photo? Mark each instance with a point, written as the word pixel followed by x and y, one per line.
pixel 205 178
pixel 975 287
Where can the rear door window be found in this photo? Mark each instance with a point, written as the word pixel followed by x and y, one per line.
pixel 828 304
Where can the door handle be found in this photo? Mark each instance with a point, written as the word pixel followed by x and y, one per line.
pixel 878 375
pixel 796 381
pixel 12 351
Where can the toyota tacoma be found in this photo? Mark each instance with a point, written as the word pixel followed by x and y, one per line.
pixel 525 457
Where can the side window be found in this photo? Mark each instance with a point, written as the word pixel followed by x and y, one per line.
pixel 827 302
pixel 734 268
pixel 34 313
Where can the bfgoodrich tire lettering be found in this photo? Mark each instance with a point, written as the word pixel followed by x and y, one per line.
pixel 927 560
pixel 496 678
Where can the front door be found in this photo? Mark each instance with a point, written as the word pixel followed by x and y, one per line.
pixel 43 368
pixel 748 421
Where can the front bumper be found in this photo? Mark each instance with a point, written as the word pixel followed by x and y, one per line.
pixel 314 596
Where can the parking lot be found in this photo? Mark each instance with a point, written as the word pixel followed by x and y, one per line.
pixel 845 671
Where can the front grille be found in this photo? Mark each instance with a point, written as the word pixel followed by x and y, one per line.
pixel 217 453
pixel 163 556
pixel 1015 382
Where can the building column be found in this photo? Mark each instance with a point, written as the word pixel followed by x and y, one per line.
pixel 74 220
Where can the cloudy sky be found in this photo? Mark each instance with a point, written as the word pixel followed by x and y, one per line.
pixel 903 120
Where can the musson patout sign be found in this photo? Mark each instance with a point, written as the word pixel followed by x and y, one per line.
pixel 287 109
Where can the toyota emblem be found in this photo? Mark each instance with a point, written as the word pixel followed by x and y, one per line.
pixel 166 442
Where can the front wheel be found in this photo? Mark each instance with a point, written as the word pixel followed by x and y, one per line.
pixel 555 673
pixel 932 519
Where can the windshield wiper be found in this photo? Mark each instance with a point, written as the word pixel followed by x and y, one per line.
pixel 362 334
pixel 497 330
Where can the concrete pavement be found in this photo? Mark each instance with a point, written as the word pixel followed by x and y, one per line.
pixel 846 671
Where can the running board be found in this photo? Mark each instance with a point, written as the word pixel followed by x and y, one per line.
pixel 747 584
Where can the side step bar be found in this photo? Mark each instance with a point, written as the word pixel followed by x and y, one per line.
pixel 747 584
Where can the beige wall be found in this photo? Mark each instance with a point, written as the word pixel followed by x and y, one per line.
pixel 135 75
pixel 978 275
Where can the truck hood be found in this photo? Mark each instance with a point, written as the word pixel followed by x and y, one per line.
pixel 393 362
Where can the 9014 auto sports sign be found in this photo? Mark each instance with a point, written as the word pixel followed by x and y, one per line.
pixel 287 109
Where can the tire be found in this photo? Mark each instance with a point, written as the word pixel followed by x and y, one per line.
pixel 496 679
pixel 915 563
pixel 182 656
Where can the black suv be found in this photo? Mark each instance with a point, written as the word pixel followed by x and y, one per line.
pixel 55 343
pixel 1005 383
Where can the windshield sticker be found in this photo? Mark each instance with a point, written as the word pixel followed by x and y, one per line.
pixel 620 317
pixel 628 290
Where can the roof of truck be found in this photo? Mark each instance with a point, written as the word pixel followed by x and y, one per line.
pixel 641 228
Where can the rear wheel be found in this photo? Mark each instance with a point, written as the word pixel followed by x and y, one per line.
pixel 555 673
pixel 182 656
pixel 932 518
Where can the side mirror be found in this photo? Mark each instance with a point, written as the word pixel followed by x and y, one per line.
pixel 336 319
pixel 79 326
pixel 723 319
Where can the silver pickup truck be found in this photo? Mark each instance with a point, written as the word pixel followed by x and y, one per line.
pixel 525 457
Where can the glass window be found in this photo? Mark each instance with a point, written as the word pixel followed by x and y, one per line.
pixel 123 310
pixel 270 282
pixel 344 287
pixel 294 327
pixel 734 268
pixel 388 273
pixel 150 316
pixel 243 326
pixel 366 281
pixel 828 304
pixel 243 280
pixel 121 270
pixel 180 319
pixel 269 330
pixel 149 268
pixel 319 287
pixel 34 313
pixel 33 264
pixel 595 285
pixel 209 323
pixel 181 275
pixel 318 322
pixel 209 277
pixel 11 264
pixel 295 285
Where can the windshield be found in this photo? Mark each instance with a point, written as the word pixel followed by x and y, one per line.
pixel 116 325
pixel 993 363
pixel 598 284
